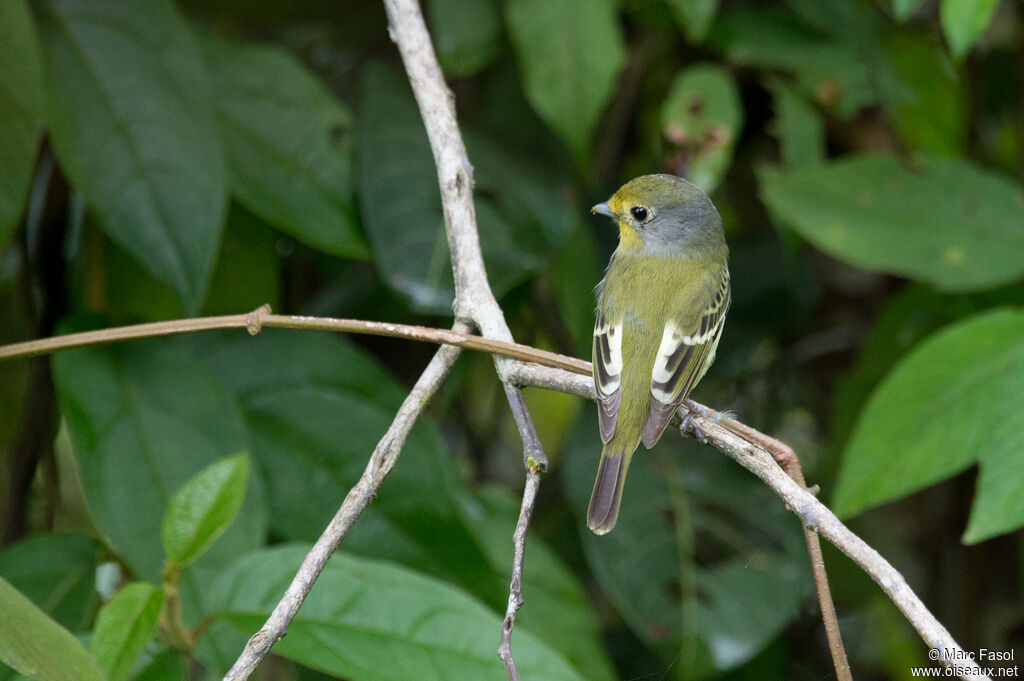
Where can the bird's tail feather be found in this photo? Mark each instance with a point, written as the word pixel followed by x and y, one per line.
pixel 604 501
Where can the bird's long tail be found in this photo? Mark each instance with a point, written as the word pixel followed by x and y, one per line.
pixel 604 500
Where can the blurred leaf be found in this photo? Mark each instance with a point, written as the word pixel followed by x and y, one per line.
pixel 367 620
pixel 558 613
pixel 466 35
pixel 842 72
pixel 288 145
pixel 948 404
pixel 906 318
pixel 168 665
pixel 904 8
pixel 36 646
pixel 21 111
pixel 800 129
pixel 520 217
pixel 932 115
pixel 570 54
pixel 57 572
pixel 203 508
pixel 963 22
pixel 702 117
pixel 705 565
pixel 124 626
pixel 399 198
pixel 576 272
pixel 247 274
pixel 694 16
pixel 948 223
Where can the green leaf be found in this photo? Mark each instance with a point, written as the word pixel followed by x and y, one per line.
pixel 570 54
pixel 702 118
pixel 144 418
pixel 21 111
pixel 705 565
pixel 202 510
pixel 131 124
pixel 520 215
pixel 168 665
pixel 58 573
pixel 953 401
pixel 288 145
pixel 313 424
pixel 933 114
pixel 904 8
pixel 694 16
pixel 248 271
pixel 799 127
pixel 36 646
pixel 124 626
pixel 963 22
pixel 367 620
pixel 947 223
pixel 466 35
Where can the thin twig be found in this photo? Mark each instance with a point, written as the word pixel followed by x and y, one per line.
pixel 515 591
pixel 725 436
pixel 381 462
pixel 262 318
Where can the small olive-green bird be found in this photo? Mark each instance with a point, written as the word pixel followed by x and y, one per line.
pixel 660 312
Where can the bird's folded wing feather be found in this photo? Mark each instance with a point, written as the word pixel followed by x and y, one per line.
pixel 607 372
pixel 687 350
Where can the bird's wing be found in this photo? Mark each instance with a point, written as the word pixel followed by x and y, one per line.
pixel 687 350
pixel 607 371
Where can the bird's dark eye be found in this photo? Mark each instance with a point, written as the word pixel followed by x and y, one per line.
pixel 639 213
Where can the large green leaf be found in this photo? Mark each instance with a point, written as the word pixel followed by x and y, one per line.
pixel 204 508
pixel 953 401
pixel 904 8
pixel 702 117
pixel 367 620
pixel 21 110
pixel 36 646
pixel 288 145
pixel 124 626
pixel 313 423
pixel 466 35
pixel 58 573
pixel 570 54
pixel 963 22
pixel 705 564
pixel 132 127
pixel 520 215
pixel 947 223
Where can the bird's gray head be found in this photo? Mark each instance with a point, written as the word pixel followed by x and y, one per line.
pixel 664 215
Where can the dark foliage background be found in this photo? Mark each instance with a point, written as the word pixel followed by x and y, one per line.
pixel 159 160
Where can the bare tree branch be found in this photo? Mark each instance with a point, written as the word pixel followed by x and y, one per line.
pixel 359 497
pixel 515 592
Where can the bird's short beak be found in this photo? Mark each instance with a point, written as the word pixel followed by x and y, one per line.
pixel 603 209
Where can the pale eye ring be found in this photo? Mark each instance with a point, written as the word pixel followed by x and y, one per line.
pixel 640 214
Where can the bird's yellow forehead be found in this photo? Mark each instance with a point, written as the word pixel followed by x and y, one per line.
pixel 652 191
